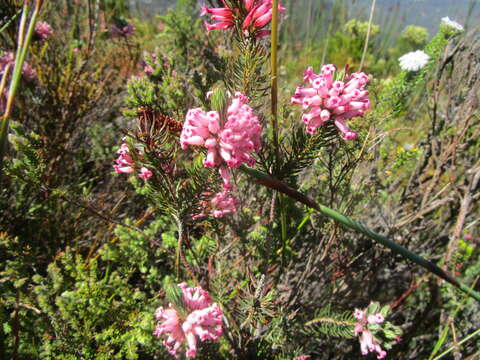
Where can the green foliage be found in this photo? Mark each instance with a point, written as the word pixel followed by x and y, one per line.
pixel 327 322
pixel 93 312
pixel 414 37
pixel 359 29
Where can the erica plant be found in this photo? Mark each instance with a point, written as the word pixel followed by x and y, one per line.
pixel 226 167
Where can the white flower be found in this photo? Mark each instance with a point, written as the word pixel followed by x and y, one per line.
pixel 452 24
pixel 413 61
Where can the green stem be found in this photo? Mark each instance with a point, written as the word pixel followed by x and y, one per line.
pixel 274 66
pixel 9 22
pixel 283 224
pixel 22 48
pixel 365 48
pixel 277 185
pixel 468 337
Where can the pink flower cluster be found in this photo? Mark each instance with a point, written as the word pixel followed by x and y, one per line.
pixel 203 322
pixel 28 72
pixel 229 142
pixel 334 100
pixel 221 204
pixel 43 30
pixel 124 164
pixel 258 15
pixel 368 343
pixel 147 68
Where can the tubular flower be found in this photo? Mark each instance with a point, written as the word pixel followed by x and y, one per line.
pixel 221 204
pixel 229 142
pixel 368 343
pixel 258 15
pixel 224 16
pixel 202 321
pixel 124 163
pixel 333 100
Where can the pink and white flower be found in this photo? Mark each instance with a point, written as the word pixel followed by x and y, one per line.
pixel 8 59
pixel 124 163
pixel 202 322
pixel 229 142
pixel 221 204
pixel 145 174
pixel 368 343
pixel 333 100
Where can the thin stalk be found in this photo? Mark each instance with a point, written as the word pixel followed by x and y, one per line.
pixel 274 66
pixel 21 28
pixel 3 319
pixel 179 246
pixel 325 45
pixel 365 48
pixel 6 73
pixel 22 48
pixel 265 180
pixel 283 225
pixel 465 339
pixel 7 24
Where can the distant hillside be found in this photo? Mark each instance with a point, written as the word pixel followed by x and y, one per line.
pixel 419 12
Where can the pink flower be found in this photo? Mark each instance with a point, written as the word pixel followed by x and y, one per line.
pixel 124 162
pixel 259 14
pixel 303 357
pixel 328 99
pixel 145 174
pixel 359 314
pixel 368 343
pixel 203 322
pixel 43 30
pixel 7 59
pixel 148 69
pixel 224 16
pixel 229 142
pixel 28 72
pixel 376 319
pixel 221 204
